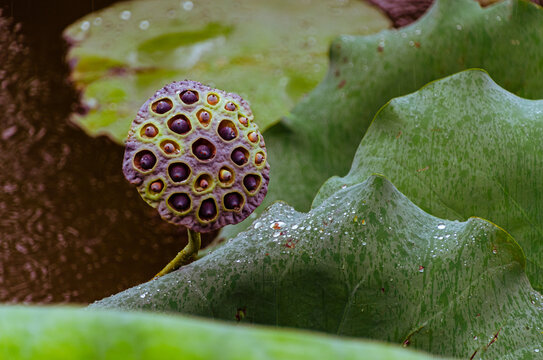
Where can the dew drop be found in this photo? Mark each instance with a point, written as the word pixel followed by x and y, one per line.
pixel 277 225
pixel 188 5
pixel 125 15
pixel 85 25
pixel 441 226
pixel 144 25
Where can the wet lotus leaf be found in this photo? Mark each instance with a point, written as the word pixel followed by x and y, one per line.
pixel 269 52
pixel 366 262
pixel 459 147
pixel 74 334
pixel 319 138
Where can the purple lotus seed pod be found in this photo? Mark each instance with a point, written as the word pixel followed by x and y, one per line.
pixel 196 155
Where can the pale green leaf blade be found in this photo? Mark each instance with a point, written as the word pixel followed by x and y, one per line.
pixel 459 147
pixel 319 138
pixel 31 333
pixel 270 52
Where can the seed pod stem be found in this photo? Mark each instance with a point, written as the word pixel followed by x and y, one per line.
pixel 185 256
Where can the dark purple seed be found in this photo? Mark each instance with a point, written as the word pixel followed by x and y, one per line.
pixel 203 152
pixel 188 97
pixel 180 126
pixel 147 161
pixel 162 107
pixel 232 201
pixel 179 172
pixel 250 182
pixel 180 202
pixel 227 133
pixel 208 210
pixel 239 157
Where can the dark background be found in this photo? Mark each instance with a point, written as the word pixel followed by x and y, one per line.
pixel 71 228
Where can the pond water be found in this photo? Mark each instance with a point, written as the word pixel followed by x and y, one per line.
pixel 71 227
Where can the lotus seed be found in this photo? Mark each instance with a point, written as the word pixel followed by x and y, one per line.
pixel 253 137
pixel 212 99
pixel 169 148
pixel 156 186
pixel 230 106
pixel 243 120
pixel 204 117
pixel 163 107
pixel 203 152
pixel 179 172
pixel 150 131
pixel 239 157
pixel 227 133
pixel 147 161
pixel 250 182
pixel 180 202
pixel 232 201
pixel 208 209
pixel 189 97
pixel 225 175
pixel 180 126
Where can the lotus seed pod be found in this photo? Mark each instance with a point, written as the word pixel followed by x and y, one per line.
pixel 196 155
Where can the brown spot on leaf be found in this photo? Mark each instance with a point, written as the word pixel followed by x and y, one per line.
pixel 494 338
pixel 291 243
pixel 341 84
pixel 423 169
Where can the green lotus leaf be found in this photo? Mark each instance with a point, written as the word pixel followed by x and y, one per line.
pixel 319 138
pixel 367 262
pixel 270 52
pixel 30 333
pixel 459 147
